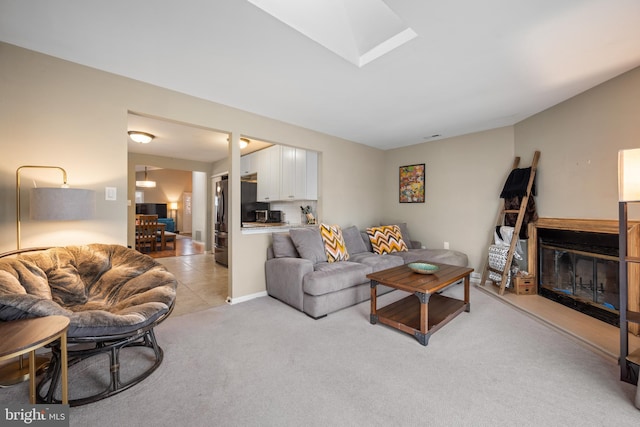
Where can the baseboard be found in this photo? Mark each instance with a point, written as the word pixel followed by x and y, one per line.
pixel 475 278
pixel 245 298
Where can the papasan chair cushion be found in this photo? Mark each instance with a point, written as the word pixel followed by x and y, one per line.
pixel 102 289
pixel 113 296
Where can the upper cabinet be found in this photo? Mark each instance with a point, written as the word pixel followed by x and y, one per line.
pixel 284 173
pixel 249 164
pixel 268 169
pixel 312 176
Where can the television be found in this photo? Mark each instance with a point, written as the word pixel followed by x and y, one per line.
pixel 159 209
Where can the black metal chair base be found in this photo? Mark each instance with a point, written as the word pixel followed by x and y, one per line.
pixel 111 345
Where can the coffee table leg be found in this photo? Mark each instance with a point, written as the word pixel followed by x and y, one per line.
pixel 424 335
pixel 466 294
pixel 373 317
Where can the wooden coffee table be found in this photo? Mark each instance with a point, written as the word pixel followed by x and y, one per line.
pixel 426 311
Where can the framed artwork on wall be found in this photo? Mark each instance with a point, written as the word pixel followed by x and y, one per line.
pixel 412 183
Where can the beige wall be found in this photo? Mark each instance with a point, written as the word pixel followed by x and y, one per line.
pixel 170 184
pixel 579 141
pixel 463 179
pixel 577 176
pixel 76 117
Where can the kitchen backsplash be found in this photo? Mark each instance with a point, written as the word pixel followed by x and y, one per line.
pixel 293 213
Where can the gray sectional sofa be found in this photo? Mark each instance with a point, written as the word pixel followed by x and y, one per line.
pixel 298 274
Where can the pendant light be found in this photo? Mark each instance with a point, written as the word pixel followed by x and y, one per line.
pixel 146 183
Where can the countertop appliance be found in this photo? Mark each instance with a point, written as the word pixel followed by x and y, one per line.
pixel 262 215
pixel 276 216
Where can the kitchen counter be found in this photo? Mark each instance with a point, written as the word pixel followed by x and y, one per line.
pixel 263 224
pixel 269 227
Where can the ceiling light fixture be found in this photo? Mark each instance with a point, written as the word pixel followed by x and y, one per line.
pixel 140 137
pixel 146 183
pixel 244 142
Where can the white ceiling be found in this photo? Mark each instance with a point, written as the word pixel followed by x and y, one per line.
pixel 183 141
pixel 474 65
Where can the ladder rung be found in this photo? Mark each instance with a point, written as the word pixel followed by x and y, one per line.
pixel 495 270
pixel 512 211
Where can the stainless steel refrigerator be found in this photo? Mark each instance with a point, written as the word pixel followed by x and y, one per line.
pixel 248 192
pixel 221 235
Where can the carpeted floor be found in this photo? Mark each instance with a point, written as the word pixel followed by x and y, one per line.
pixel 262 363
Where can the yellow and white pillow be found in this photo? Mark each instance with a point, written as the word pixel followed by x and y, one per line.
pixel 334 245
pixel 386 239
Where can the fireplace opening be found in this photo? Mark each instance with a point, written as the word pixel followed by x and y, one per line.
pixel 580 270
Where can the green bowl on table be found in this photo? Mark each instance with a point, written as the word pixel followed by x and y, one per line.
pixel 423 267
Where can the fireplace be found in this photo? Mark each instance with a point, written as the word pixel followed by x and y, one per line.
pixel 575 263
pixel 580 270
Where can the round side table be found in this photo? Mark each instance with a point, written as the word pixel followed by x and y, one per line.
pixel 28 335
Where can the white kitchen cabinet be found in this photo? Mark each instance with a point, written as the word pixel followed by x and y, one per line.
pixel 268 169
pixel 286 174
pixel 312 176
pixel 293 179
pixel 299 177
pixel 249 164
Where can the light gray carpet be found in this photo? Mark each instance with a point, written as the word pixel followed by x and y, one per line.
pixel 262 363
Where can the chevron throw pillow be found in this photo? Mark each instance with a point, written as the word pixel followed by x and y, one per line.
pixel 386 239
pixel 334 245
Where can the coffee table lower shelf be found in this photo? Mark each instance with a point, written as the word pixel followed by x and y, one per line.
pixel 405 315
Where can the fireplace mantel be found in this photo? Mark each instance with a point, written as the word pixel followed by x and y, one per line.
pixel 594 226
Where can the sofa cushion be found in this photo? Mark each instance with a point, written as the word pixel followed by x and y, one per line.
pixel 366 241
pixel 309 243
pixel 334 245
pixel 353 240
pixel 386 239
pixel 283 246
pixel 331 277
pixel 377 262
pixel 443 256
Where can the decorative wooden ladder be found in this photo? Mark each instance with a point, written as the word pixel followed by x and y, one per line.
pixel 500 221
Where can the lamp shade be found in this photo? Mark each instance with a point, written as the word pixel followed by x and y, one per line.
pixel 62 204
pixel 146 184
pixel 629 175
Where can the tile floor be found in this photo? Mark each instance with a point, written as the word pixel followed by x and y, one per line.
pixel 202 283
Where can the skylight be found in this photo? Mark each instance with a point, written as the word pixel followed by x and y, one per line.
pixel 359 31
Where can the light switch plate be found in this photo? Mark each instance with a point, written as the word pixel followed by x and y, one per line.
pixel 110 193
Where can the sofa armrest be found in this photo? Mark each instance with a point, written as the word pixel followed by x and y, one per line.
pixel 284 279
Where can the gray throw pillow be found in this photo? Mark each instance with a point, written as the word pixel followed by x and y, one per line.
pixel 283 246
pixel 366 241
pixel 309 244
pixel 353 240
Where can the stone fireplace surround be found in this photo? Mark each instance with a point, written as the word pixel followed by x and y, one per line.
pixel 589 226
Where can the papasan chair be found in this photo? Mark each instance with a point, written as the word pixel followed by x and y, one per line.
pixel 113 296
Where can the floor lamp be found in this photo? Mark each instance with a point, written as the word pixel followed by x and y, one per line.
pixel 55 204
pixel 173 206
pixel 52 204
